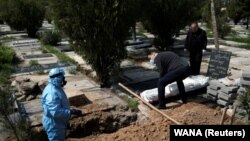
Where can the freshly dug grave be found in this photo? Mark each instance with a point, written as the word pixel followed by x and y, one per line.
pixel 158 130
pixel 191 113
pixel 106 120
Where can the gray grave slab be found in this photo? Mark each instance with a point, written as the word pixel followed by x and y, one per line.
pixel 226 97
pixel 64 48
pixel 43 67
pixel 244 82
pixel 140 75
pixel 246 73
pixel 213 87
pixel 212 92
pixel 216 83
pixel 32 56
pixel 229 90
pixel 222 102
pixel 211 97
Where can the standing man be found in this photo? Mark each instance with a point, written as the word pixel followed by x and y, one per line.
pixel 172 68
pixel 196 43
pixel 56 108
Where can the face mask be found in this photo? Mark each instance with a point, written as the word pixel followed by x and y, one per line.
pixel 152 61
pixel 64 82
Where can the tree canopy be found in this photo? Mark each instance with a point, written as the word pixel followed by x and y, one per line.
pixel 23 14
pixel 165 18
pixel 98 29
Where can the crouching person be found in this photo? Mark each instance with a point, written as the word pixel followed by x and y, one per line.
pixel 56 108
pixel 172 68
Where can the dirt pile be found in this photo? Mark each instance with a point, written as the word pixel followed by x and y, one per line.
pixel 195 113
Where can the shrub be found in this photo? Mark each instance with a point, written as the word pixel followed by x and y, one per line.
pixel 33 62
pixel 51 37
pixel 60 55
pixel 7 56
pixel 23 14
pixel 133 104
pixel 72 71
pixel 244 102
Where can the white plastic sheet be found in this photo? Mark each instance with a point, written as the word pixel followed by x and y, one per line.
pixel 191 83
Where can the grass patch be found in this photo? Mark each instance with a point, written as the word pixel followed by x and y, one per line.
pixel 236 38
pixel 7 56
pixel 60 55
pixel 133 104
pixel 72 71
pixel 33 62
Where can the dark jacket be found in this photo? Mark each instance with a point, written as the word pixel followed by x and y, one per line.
pixel 168 61
pixel 196 41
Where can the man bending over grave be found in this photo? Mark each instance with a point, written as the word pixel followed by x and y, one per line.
pixel 172 68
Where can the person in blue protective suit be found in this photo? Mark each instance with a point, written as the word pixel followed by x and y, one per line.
pixel 56 108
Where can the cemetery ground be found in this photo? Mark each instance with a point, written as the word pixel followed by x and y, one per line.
pixel 110 114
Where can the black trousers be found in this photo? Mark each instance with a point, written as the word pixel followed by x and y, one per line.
pixel 195 62
pixel 176 75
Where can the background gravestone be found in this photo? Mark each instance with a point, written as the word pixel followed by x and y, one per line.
pixel 218 64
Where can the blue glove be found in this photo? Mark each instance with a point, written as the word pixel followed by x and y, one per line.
pixel 76 112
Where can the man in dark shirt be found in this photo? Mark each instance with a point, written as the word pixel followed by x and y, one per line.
pixel 172 68
pixel 196 42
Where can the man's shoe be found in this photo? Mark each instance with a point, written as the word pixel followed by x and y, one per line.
pixel 159 106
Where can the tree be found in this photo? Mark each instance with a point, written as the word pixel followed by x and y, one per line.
pixel 23 14
pixel 164 18
pixel 214 24
pixel 239 9
pixel 98 29
pixel 220 14
pixel 234 11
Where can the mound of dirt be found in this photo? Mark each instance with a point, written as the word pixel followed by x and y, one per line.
pixel 195 113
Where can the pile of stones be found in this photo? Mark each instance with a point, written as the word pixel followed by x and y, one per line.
pixel 221 94
pixel 26 89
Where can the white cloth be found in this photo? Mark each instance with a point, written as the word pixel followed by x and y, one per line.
pixel 191 83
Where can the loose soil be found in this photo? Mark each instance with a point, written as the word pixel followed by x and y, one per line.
pixel 191 113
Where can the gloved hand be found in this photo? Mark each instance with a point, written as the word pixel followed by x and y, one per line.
pixel 76 112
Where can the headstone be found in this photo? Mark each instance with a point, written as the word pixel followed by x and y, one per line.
pixel 218 64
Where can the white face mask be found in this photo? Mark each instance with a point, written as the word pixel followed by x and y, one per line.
pixel 152 61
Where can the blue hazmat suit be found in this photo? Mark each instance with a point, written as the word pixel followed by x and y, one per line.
pixel 56 108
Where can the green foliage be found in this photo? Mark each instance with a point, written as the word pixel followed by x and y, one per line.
pixel 51 37
pixel 7 56
pixel 244 102
pixel 234 10
pixel 221 17
pixel 98 29
pixel 23 14
pixel 133 104
pixel 33 62
pixel 72 71
pixel 60 55
pixel 239 39
pixel 166 18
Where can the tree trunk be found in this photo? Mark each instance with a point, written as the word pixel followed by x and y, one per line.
pixel 247 22
pixel 214 24
pixel 134 31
